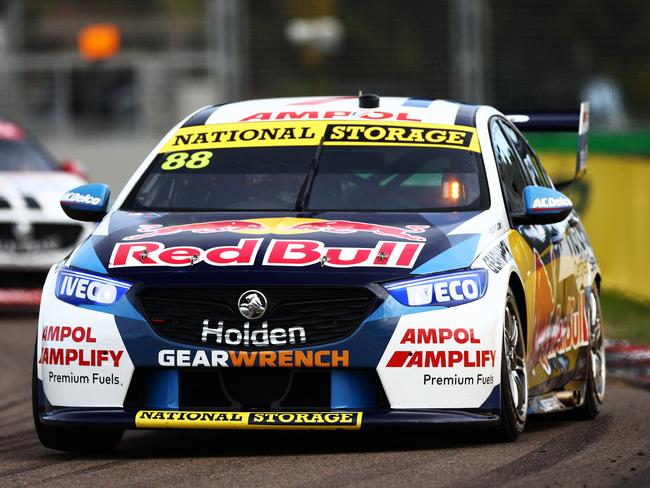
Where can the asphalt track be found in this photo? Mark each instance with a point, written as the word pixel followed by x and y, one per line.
pixel 613 450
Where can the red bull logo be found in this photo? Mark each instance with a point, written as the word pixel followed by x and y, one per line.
pixel 287 225
pixel 280 252
pixel 555 333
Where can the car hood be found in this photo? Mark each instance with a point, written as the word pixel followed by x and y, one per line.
pixel 279 248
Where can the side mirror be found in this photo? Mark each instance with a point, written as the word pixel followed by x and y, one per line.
pixel 87 203
pixel 543 206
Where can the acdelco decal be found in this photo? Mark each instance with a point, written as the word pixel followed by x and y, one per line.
pixel 177 358
pixel 283 252
pixel 312 133
pixel 441 358
pixel 247 420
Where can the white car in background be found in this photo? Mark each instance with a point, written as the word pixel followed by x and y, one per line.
pixel 34 231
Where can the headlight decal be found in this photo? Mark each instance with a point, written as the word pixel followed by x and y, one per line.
pixel 448 290
pixel 78 288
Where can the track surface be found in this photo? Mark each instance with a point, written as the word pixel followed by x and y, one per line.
pixel 613 450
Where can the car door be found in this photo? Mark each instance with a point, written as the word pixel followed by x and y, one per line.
pixel 544 241
pixel 566 249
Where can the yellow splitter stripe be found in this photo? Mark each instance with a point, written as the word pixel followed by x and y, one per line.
pixel 174 419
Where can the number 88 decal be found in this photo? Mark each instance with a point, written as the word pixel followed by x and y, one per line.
pixel 178 160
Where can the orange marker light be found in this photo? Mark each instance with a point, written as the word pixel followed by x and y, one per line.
pixel 98 42
pixel 454 190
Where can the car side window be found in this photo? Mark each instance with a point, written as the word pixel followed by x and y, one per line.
pixel 512 176
pixel 531 163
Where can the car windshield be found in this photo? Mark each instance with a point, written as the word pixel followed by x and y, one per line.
pixel 22 156
pixel 350 177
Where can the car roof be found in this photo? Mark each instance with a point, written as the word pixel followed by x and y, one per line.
pixel 390 109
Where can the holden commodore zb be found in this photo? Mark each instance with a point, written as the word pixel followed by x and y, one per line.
pixel 324 263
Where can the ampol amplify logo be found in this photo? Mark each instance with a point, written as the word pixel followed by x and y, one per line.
pixel 287 225
pixel 465 352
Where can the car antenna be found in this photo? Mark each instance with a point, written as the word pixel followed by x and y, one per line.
pixel 369 100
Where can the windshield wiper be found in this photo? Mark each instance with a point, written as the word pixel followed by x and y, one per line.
pixel 305 189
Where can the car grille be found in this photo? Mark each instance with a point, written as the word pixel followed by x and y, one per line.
pixel 323 314
pixel 38 237
pixel 254 388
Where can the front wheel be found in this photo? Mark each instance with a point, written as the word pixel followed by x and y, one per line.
pixel 72 439
pixel 514 379
pixel 595 369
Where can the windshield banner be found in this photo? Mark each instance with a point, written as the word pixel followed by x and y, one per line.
pixel 312 133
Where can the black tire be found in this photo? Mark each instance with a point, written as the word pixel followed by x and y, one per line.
pixel 514 379
pixel 595 369
pixel 71 439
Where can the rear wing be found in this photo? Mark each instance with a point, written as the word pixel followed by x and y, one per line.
pixel 560 122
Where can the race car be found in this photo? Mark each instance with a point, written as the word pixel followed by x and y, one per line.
pixel 34 231
pixel 324 263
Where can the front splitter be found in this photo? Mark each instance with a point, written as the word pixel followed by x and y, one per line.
pixel 258 420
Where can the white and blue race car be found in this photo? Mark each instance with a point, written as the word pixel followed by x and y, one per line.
pixel 327 263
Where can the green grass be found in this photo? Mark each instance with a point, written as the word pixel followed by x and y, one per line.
pixel 632 142
pixel 626 318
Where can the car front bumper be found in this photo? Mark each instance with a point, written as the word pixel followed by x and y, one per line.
pixel 369 420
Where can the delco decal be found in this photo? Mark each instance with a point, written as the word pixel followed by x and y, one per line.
pixel 313 133
pixel 178 358
pixel 74 197
pixel 247 420
pixel 278 253
pixel 80 288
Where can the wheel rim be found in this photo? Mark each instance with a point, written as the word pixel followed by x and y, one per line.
pixel 597 346
pixel 514 350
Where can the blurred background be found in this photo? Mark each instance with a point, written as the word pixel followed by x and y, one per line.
pixel 103 80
